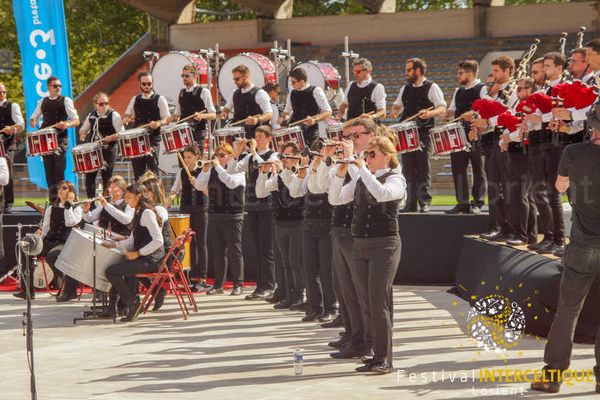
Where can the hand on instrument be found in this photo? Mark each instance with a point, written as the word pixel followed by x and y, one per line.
pixel 199 116
pixel 155 124
pixel 467 116
pixel 366 115
pixel 310 121
pixel 109 245
pixel 102 201
pixel 342 170
pixel 7 130
pixel 533 118
pixel 503 145
pixel 86 206
pixel 62 125
pixel 394 114
pixel 266 168
pixel 359 162
pixel 224 113
pixel 192 181
pixel 347 148
pixel 522 129
pixel 424 114
pixel 207 166
pixel 82 136
pixel 302 172
pixel 473 134
pixel 214 163
pixel 280 120
pixel 480 123
pixel 562 114
pixel 252 144
pixel 239 146
pixel 133 255
pixel 71 197
pixel 38 232
pixel 111 138
pixel 251 121
pixel 277 167
pixel 127 119
pixel 505 138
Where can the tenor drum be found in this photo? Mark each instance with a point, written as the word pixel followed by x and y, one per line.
pixel 448 139
pixel 227 135
pixel 323 75
pixel 166 73
pixel 177 137
pixel 42 142
pixel 88 158
pixel 179 223
pixel 334 129
pixel 261 68
pixel 77 260
pixel 134 143
pixel 291 134
pixel 408 136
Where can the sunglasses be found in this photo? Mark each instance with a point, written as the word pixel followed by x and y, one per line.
pixel 102 104
pixel 355 135
pixel 64 187
pixel 187 75
pixel 146 84
pixel 56 86
pixel 3 91
pixel 221 155
pixel 370 154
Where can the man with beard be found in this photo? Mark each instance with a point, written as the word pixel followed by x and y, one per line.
pixel 364 97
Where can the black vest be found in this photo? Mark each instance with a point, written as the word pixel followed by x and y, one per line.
pixel 416 99
pixel 316 206
pixel 166 233
pixel 105 126
pixel 341 216
pixel 146 110
pixel 252 202
pixel 54 111
pixel 303 104
pixel 286 208
pixel 59 232
pixel 141 234
pixel 190 103
pixel 7 120
pixel 372 218
pixel 463 100
pixel 244 106
pixel 107 221
pixel 359 100
pixel 221 199
pixel 191 199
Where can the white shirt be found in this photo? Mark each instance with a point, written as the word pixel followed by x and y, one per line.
pixel 435 95
pixel 378 96
pixel 163 105
pixel 116 122
pixel 242 165
pixel 394 187
pixel 125 217
pixel 274 124
pixel 261 97
pixel 4 173
pixel 69 107
pixel 72 217
pixel 204 95
pixel 266 184
pixel 471 85
pixel 232 180
pixel 150 222
pixel 15 113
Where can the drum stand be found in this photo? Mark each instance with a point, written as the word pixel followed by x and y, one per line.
pixel 92 315
pixel 17 269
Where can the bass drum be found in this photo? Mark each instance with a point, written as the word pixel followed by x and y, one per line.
pixel 167 70
pixel 261 69
pixel 323 75
pixel 167 162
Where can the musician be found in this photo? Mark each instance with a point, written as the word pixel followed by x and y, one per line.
pixel 59 112
pixel 11 123
pixel 537 73
pixel 258 219
pixel 272 89
pixel 425 98
pixel 151 109
pixel 103 123
pixel 376 192
pixel 57 223
pixel 249 103
pixel 305 103
pixel 194 203
pixel 116 215
pixel 274 180
pixel 143 249
pixel 579 67
pixel 470 90
pixel 364 97
pixel 4 179
pixel 194 99
pixel 225 218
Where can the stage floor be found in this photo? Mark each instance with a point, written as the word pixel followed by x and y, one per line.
pixel 239 349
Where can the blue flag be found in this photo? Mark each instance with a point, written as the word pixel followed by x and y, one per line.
pixel 42 35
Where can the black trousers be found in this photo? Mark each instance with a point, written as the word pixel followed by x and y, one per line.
pixel 498 175
pixel 51 251
pixel 198 247
pixel 147 163
pixel 521 208
pixel 258 249
pixel 288 238
pixel 459 162
pixel 551 159
pixel 122 275
pixel 316 256
pixel 54 168
pixel 280 292
pixel 110 157
pixel 225 247
pixel 376 261
pixel 539 190
pixel 9 189
pixel 416 167
pixel 345 283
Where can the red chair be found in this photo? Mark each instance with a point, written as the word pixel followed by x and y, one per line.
pixel 43 265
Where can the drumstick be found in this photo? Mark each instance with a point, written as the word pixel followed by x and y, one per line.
pixel 357 118
pixel 243 120
pixel 187 171
pixel 148 124
pixel 302 120
pixel 417 114
pixel 191 116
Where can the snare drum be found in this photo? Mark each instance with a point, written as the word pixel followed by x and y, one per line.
pixel 448 139
pixel 166 73
pixel 134 143
pixel 179 223
pixel 177 137
pixel 42 142
pixel 323 75
pixel 291 134
pixel 227 135
pixel 261 68
pixel 334 129
pixel 88 158
pixel 408 136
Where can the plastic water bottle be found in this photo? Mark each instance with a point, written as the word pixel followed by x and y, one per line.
pixel 298 362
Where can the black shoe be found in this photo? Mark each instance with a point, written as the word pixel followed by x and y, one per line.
pixel 311 316
pixel 275 299
pixel 367 367
pixel 298 305
pixel 458 209
pixel 201 286
pixel 108 313
pixel 253 295
pixel 560 252
pixel 547 384
pixel 64 297
pixel 159 300
pixel 283 304
pixel 215 290
pixel 260 295
pixel 489 234
pixel 500 237
pixel 23 295
pixel 132 313
pixel 543 243
pixel 408 209
pixel 425 208
pixel 336 323
pixel 338 344
pixel 327 317
pixel 550 249
pixel 347 352
pixel 382 367
pixel 237 290
pixel 515 241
